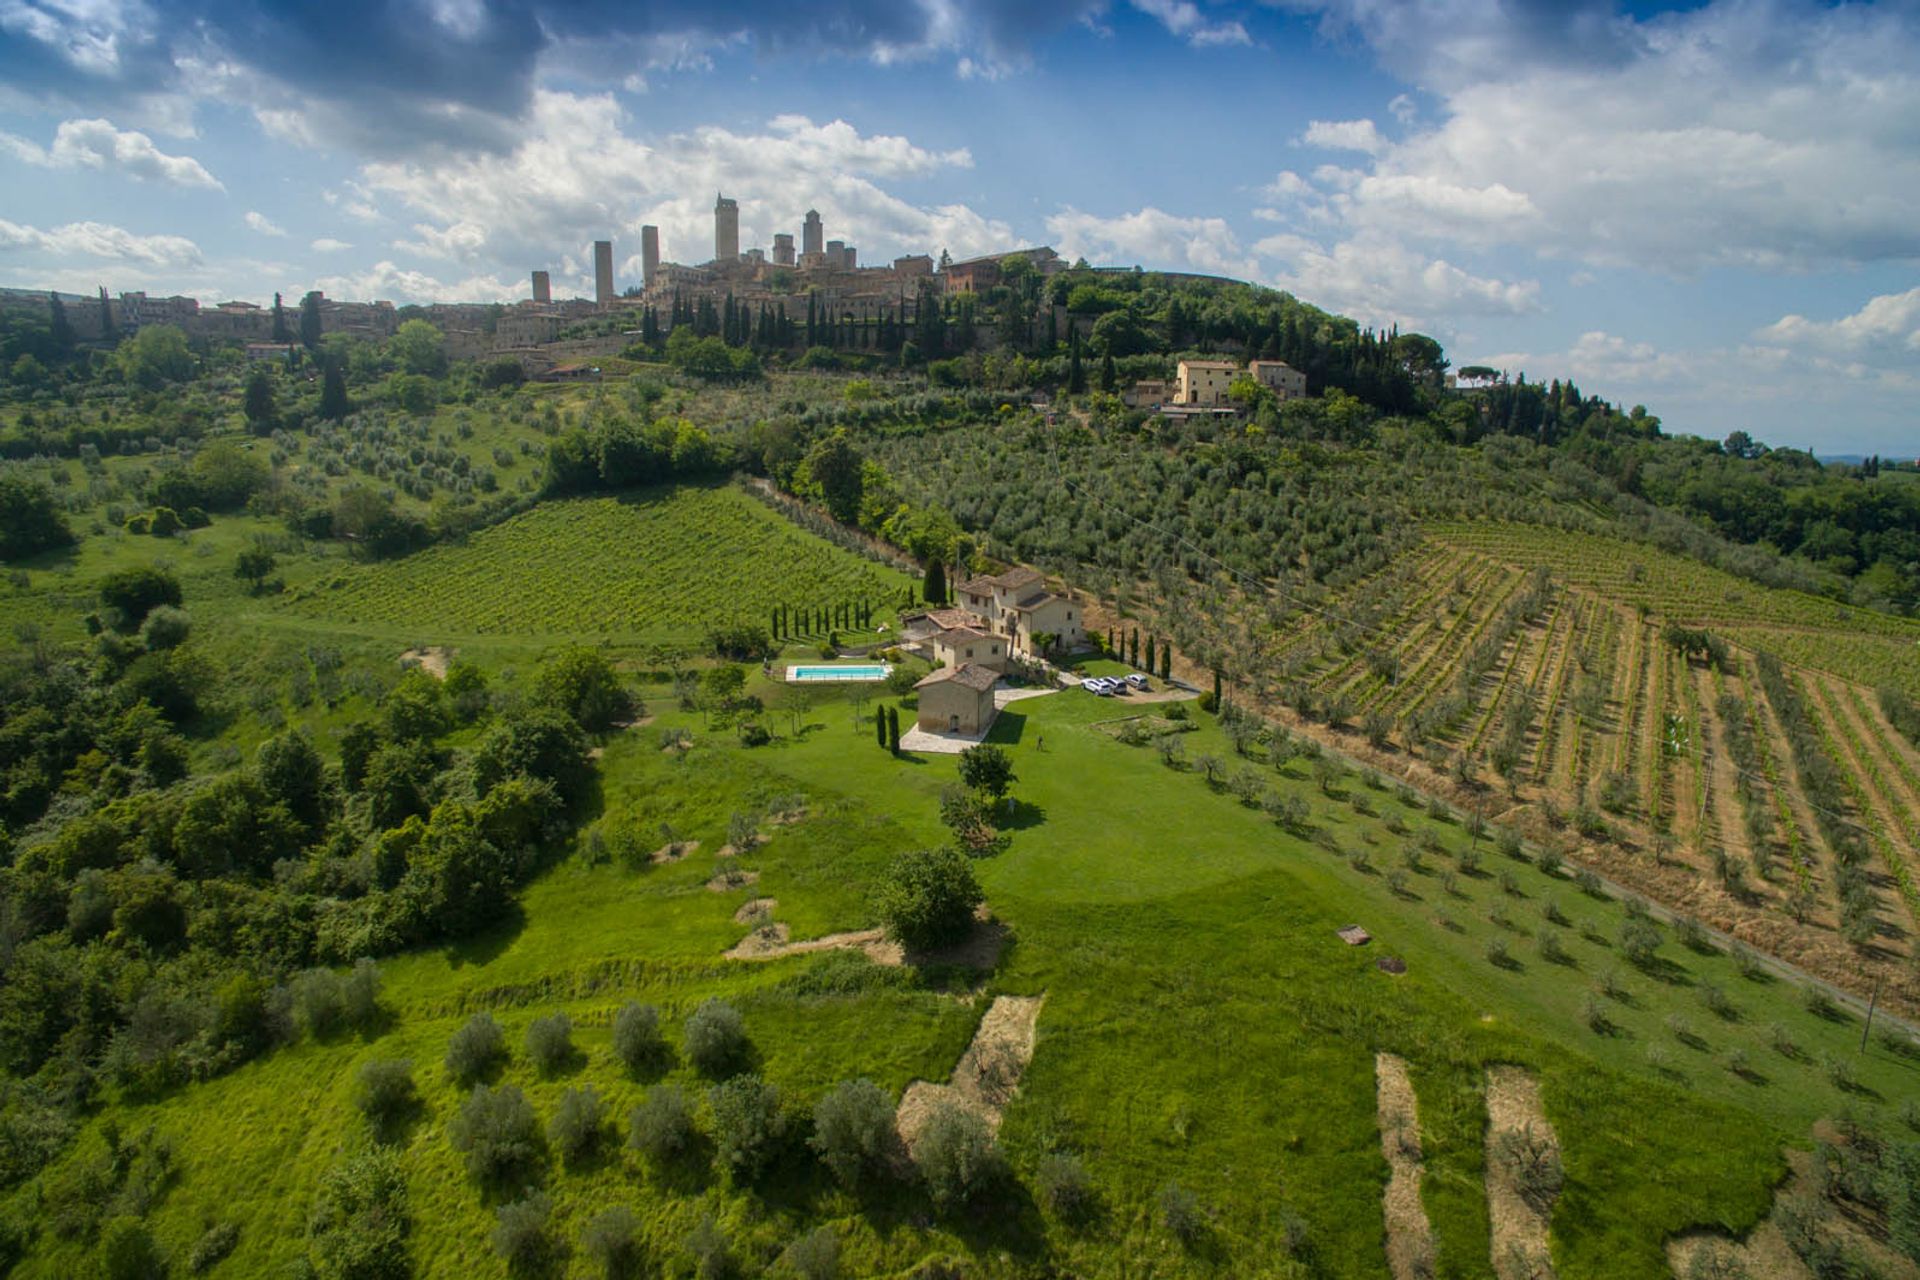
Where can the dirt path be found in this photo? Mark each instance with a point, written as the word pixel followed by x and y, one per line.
pixel 769 942
pixel 433 659
pixel 1409 1237
pixel 1521 1148
pixel 988 1073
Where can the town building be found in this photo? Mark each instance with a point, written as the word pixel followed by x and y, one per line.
pixel 281 351
pixel 958 700
pixel 812 233
pixel 525 327
pixel 1145 394
pixel 783 249
pixel 1204 383
pixel 977 275
pixel 603 272
pixel 649 256
pixel 726 229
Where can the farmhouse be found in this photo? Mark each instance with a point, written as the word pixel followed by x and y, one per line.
pixel 961 645
pixel 923 625
pixel 957 699
pixel 1016 604
pixel 1285 381
pixel 1203 383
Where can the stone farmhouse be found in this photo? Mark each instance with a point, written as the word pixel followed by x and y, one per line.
pixel 957 646
pixel 1017 605
pixel 957 699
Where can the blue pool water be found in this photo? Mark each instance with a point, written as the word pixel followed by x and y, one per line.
pixel 875 671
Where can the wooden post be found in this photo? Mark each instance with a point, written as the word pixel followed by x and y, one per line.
pixel 1872 1000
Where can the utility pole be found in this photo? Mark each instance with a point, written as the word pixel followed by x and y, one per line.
pixel 1872 1000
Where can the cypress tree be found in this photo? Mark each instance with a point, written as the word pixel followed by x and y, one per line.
pixel 310 321
pixel 280 331
pixel 108 332
pixel 1109 376
pixel 773 624
pixel 1133 647
pixel 62 329
pixel 1216 688
pixel 333 392
pixel 1149 666
pixel 1166 662
pixel 879 726
pixel 893 730
pixel 1076 376
pixel 935 587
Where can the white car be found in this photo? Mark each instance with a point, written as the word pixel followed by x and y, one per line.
pixel 1137 680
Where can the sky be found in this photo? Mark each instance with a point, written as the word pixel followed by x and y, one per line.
pixel 1711 209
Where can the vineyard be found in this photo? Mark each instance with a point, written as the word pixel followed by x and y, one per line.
pixel 1748 774
pixel 656 565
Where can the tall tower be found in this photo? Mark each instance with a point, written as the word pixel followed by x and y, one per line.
pixel 783 249
pixel 542 287
pixel 813 236
pixel 726 229
pixel 603 271
pixel 649 255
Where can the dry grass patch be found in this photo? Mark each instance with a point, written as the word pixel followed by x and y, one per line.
pixel 1523 1175
pixel 1409 1237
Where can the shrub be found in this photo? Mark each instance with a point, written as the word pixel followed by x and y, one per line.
pixel 520 1232
pixel 383 1091
pixel 814 1256
pixel 166 628
pixel 498 1133
pixel 1533 1163
pixel 1497 952
pixel 637 1041
pixel 1640 940
pixel 927 898
pixel 716 1038
pixel 577 1124
pixel 611 1239
pixel 1064 1185
pixel 1820 1004
pixel 360 994
pixel 852 1129
pixel 360 1220
pixel 661 1127
pixel 320 1003
pixel 711 1251
pixel 214 1244
pixel 1550 948
pixel 747 1125
pixel 550 1043
pixel 127 1252
pixel 956 1155
pixel 1180 1213
pixel 1716 1000
pixel 474 1048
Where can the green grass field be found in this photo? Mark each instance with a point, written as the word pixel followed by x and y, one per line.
pixel 1202 1023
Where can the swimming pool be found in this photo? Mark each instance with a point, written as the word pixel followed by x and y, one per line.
pixel 872 671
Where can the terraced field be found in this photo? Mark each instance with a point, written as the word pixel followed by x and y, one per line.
pixel 655 564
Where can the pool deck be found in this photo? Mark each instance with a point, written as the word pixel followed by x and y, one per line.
pixel 869 672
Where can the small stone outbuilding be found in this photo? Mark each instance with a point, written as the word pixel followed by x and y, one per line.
pixel 958 699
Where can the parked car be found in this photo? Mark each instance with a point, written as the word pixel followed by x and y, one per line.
pixel 1138 681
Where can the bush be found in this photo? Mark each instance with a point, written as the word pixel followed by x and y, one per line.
pixel 1064 1185
pixel 611 1239
pixel 520 1232
pixel 1532 1162
pixel 716 1038
pixel 661 1127
pixel 927 898
pixel 1640 940
pixel 956 1155
pixel 746 1125
pixel 550 1043
pixel 214 1244
pixel 853 1128
pixel 166 628
pixel 637 1041
pixel 360 1220
pixel 383 1091
pixel 711 1251
pixel 498 1133
pixel 1181 1214
pixel 474 1048
pixel 127 1252
pixel 577 1124
pixel 814 1256
pixel 320 1003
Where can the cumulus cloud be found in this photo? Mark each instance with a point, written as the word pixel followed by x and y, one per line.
pixel 580 175
pixel 387 281
pixel 1154 238
pixel 327 244
pixel 1184 19
pixel 261 223
pixel 99 240
pixel 1771 136
pixel 1384 282
pixel 1345 135
pixel 97 144
pixel 1886 329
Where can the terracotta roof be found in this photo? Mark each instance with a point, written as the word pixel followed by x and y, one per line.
pixel 967 675
pixel 1209 364
pixel 945 619
pixel 960 635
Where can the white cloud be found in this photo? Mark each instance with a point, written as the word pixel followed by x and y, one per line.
pixel 261 223
pixel 99 240
pixel 1403 108
pixel 386 281
pixel 578 175
pixel 327 244
pixel 96 144
pixel 1183 18
pixel 1380 281
pixel 1775 136
pixel 1153 238
pixel 1345 135
pixel 1885 330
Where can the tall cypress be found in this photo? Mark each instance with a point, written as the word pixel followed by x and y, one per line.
pixel 893 730
pixel 935 587
pixel 280 330
pixel 880 727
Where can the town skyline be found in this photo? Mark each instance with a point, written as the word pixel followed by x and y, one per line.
pixel 1696 209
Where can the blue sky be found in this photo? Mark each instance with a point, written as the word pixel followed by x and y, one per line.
pixel 1712 209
